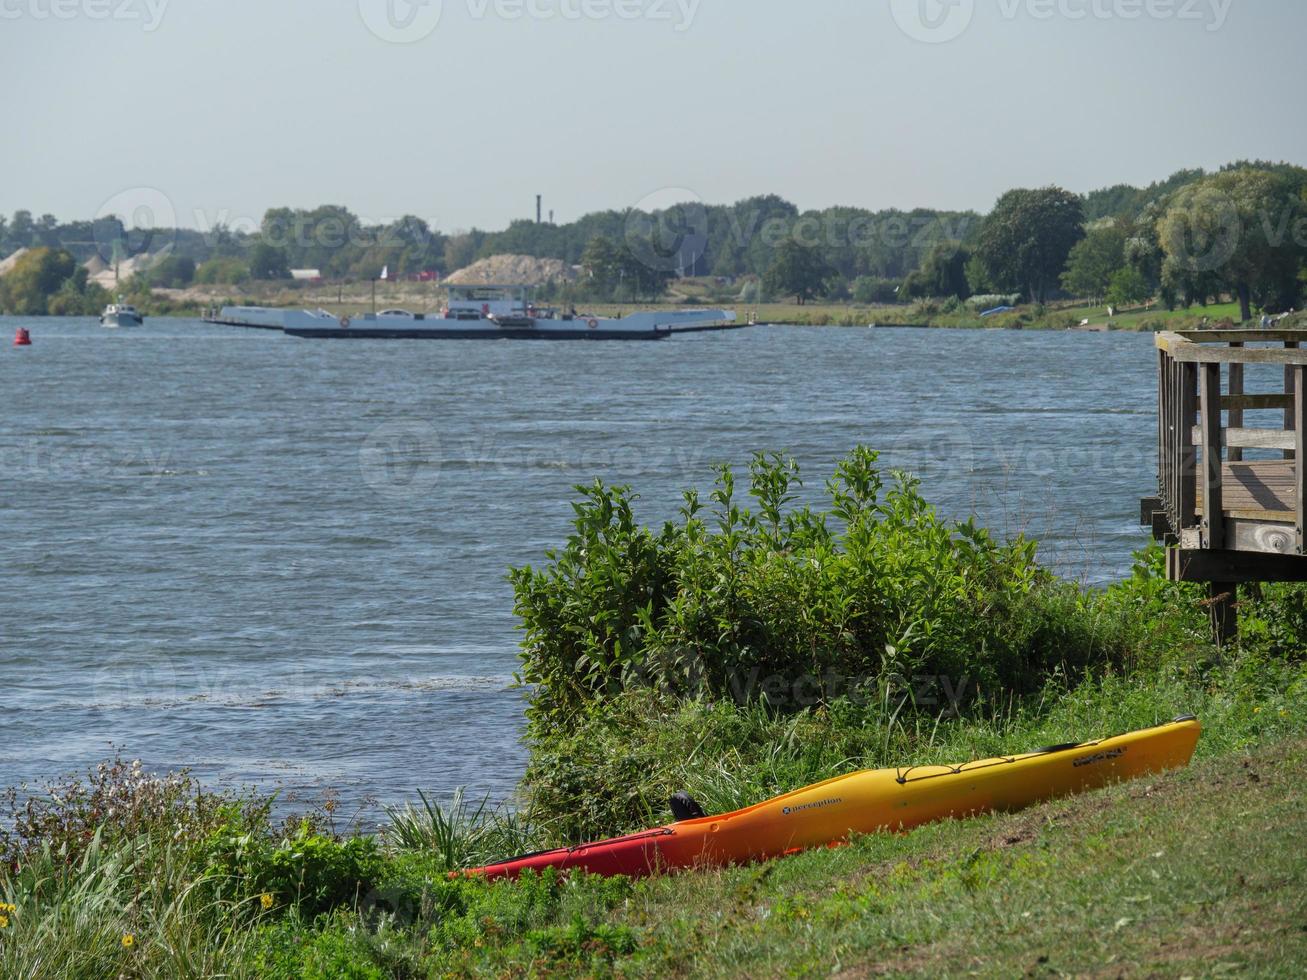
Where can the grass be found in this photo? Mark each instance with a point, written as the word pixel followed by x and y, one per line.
pixel 1199 872
pixel 1184 873
pixel 128 874
pixel 427 297
pixel 1138 879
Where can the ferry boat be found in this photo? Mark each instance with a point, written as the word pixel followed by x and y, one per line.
pixel 481 313
pixel 121 314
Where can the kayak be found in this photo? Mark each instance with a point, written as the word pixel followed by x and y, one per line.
pixel 827 813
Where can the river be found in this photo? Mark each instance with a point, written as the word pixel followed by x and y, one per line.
pixel 282 563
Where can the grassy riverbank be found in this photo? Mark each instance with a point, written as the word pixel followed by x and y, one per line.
pixel 1179 874
pixel 426 297
pixel 637 641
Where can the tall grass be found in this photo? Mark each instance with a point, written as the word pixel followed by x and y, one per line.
pixel 132 908
pixel 461 834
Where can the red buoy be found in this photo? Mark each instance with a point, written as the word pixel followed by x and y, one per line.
pixel 22 338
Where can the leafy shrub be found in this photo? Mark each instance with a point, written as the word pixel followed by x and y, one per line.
pixel 871 290
pixel 786 604
pixel 119 801
pixel 290 949
pixel 990 301
pixel 309 870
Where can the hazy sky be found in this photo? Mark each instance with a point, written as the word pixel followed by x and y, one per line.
pixel 219 109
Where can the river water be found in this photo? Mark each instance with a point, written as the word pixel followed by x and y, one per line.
pixel 282 562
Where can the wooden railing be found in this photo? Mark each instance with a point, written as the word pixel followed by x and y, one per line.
pixel 1229 520
pixel 1201 406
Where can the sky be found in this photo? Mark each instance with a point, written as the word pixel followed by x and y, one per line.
pixel 461 111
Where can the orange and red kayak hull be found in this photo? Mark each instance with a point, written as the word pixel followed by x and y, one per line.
pixel 871 801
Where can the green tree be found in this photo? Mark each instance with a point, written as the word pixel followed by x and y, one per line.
pixel 227 270
pixel 1127 286
pixel 1241 226
pixel 268 262
pixel 1094 260
pixel 78 297
pixel 36 276
pixel 943 273
pixel 798 270
pixel 601 265
pixel 1025 241
pixel 173 272
pixel 869 289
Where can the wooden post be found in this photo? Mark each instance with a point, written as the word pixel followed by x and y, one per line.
pixel 1187 476
pixel 1234 453
pixel 1290 418
pixel 1213 508
pixel 1300 461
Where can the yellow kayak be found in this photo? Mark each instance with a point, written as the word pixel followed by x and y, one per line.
pixel 875 800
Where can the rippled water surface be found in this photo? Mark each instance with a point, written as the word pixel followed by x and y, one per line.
pixel 283 562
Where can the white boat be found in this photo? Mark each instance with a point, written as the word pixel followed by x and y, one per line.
pixel 482 313
pixel 121 315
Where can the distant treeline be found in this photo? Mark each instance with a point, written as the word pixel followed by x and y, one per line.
pixel 1186 239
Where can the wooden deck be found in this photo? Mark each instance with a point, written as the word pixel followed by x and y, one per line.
pixel 1261 491
pixel 1226 520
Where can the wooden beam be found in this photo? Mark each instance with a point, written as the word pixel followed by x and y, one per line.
pixel 1235 411
pixel 1300 455
pixel 1147 508
pixel 1186 504
pixel 1255 402
pixel 1209 380
pixel 1162 528
pixel 1250 438
pixel 1290 417
pixel 1201 565
pixel 1197 354
pixel 1239 336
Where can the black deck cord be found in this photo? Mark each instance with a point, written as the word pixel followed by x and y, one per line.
pixel 902 774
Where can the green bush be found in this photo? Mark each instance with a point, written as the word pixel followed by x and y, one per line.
pixel 306 869
pixel 786 604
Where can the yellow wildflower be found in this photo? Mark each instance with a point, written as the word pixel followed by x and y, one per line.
pixel 266 901
pixel 128 940
pixel 4 921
